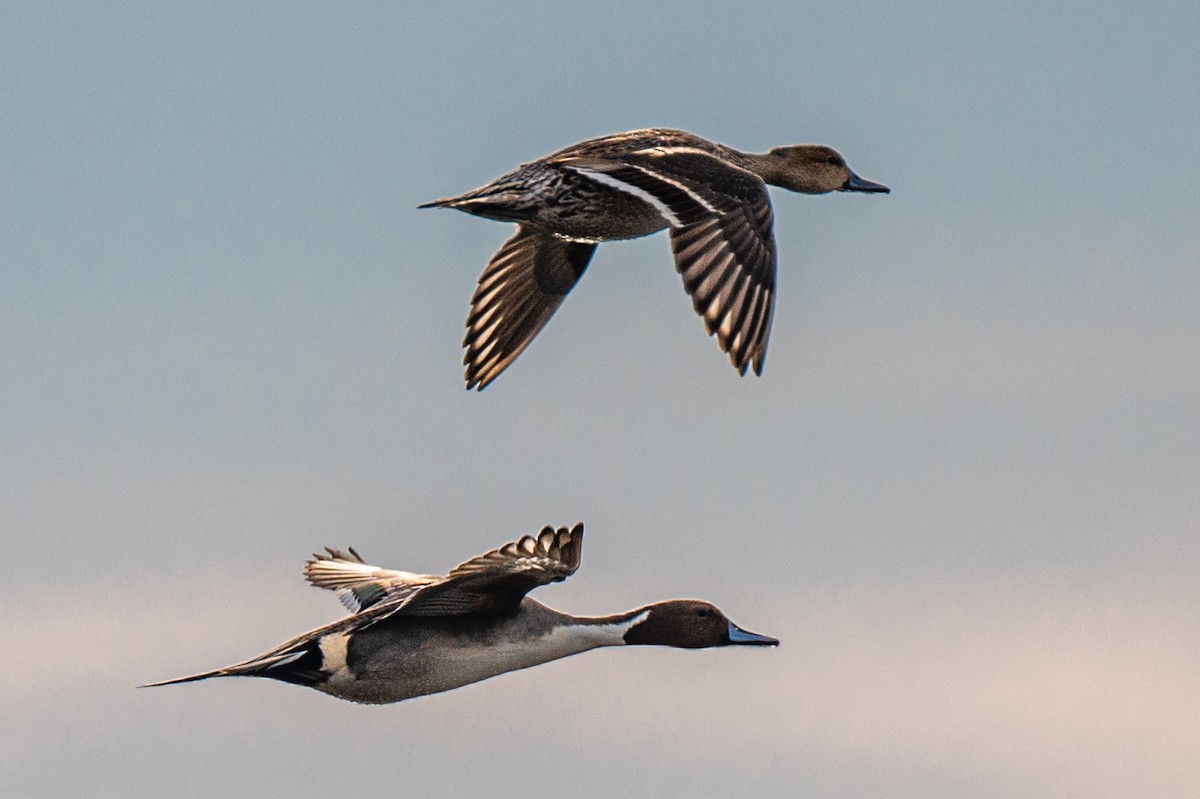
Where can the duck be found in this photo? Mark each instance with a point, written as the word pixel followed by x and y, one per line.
pixel 411 634
pixel 713 199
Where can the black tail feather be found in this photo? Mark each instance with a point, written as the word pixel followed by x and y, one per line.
pixel 299 667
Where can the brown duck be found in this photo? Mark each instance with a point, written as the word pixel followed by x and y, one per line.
pixel 712 197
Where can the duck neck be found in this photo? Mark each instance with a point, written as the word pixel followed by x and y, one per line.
pixel 767 166
pixel 751 162
pixel 613 629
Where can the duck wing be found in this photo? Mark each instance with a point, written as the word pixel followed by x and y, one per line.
pixel 721 234
pixel 492 583
pixel 728 267
pixel 516 295
pixel 358 584
pixel 496 581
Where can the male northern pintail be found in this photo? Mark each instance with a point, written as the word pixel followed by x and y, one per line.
pixel 712 197
pixel 416 634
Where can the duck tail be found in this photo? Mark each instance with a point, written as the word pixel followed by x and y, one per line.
pixel 443 202
pixel 204 675
pixel 289 665
pixel 490 202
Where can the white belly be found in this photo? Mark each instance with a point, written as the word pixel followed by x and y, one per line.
pixel 402 671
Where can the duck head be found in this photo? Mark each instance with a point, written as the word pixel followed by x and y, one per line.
pixel 813 169
pixel 690 624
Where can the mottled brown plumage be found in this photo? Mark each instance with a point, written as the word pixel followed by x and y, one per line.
pixel 712 197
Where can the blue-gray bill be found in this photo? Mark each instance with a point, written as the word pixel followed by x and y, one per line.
pixel 855 183
pixel 739 636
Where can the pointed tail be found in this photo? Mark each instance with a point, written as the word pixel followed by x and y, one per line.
pixel 503 206
pixel 442 202
pixel 269 665
pixel 192 678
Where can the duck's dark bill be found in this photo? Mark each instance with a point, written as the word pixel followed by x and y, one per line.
pixel 739 636
pixel 855 183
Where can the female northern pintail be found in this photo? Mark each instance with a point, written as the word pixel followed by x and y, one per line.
pixel 712 197
pixel 416 634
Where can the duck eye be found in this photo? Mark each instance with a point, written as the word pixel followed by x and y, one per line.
pixel 833 160
pixel 702 613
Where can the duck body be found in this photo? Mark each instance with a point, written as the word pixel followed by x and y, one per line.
pixel 551 196
pixel 405 657
pixel 713 199
pixel 411 635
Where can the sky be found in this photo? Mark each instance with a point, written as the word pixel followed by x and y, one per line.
pixel 963 493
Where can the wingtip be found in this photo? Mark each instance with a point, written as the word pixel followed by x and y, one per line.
pixel 752 362
pixel 477 382
pixel 473 376
pixel 331 554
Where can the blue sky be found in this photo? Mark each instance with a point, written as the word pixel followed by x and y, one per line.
pixel 963 493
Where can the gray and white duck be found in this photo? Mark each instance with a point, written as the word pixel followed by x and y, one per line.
pixel 415 634
pixel 712 197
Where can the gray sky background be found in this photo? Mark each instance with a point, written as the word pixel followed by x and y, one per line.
pixel 964 494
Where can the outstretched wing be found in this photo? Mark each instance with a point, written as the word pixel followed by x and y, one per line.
pixel 492 583
pixel 728 267
pixel 357 584
pixel 518 292
pixel 721 233
pixel 495 582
